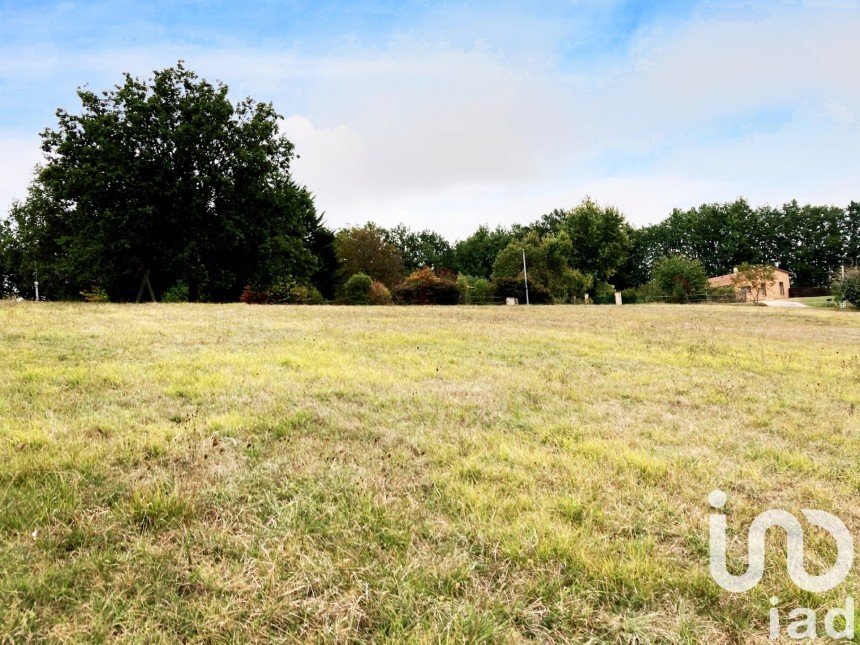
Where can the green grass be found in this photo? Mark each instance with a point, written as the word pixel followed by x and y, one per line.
pixel 200 473
pixel 823 302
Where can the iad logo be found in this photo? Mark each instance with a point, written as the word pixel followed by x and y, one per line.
pixel 794 532
pixel 806 627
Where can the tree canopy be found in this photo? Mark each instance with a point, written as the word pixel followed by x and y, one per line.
pixel 549 270
pixel 365 249
pixel 810 241
pixel 420 249
pixel 599 237
pixel 476 254
pixel 166 175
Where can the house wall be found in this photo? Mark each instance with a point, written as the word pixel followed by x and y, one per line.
pixel 774 292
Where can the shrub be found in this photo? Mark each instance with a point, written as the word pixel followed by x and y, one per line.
pixel 725 293
pixel 423 287
pixel 357 289
pixel 631 296
pixel 379 294
pixel 604 290
pixel 847 289
pixel 176 293
pixel 679 277
pixel 251 296
pixel 513 287
pixel 287 292
pixel 571 286
pixel 305 294
pixel 95 294
pixel 474 290
pixel 644 293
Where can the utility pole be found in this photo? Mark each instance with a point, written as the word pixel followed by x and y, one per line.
pixel 842 300
pixel 36 284
pixel 526 276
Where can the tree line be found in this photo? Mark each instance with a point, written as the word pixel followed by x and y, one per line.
pixel 813 242
pixel 167 177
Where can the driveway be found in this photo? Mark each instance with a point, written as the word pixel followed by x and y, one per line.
pixel 783 303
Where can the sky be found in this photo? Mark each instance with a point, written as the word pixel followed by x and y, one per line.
pixel 447 115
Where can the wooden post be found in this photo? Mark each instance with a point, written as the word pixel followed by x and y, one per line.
pixel 145 283
pixel 526 276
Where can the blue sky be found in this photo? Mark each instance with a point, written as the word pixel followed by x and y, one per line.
pixel 452 114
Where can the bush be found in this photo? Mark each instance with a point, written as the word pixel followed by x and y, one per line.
pixel 631 296
pixel 474 290
pixel 304 294
pixel 357 289
pixel 571 286
pixel 252 297
pixel 725 293
pixel 423 287
pixel 680 277
pixel 176 293
pixel 604 290
pixel 644 293
pixel 95 294
pixel 847 289
pixel 287 292
pixel 379 294
pixel 513 287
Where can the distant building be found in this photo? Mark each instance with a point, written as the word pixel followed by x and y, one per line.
pixel 776 290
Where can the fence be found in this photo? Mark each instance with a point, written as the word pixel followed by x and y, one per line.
pixel 696 298
pixel 807 292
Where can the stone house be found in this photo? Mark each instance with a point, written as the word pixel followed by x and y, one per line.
pixel 776 290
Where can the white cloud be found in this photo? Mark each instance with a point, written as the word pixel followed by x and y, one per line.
pixel 18 159
pixel 464 138
pixel 451 135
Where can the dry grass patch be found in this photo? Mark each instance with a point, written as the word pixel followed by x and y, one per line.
pixel 489 474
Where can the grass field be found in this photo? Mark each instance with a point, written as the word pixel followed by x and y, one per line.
pixel 201 472
pixel 823 302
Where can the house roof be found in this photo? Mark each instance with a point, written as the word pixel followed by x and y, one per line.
pixel 721 280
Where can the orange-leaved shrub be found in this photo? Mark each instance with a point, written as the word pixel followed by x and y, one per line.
pixel 424 287
pixel 379 294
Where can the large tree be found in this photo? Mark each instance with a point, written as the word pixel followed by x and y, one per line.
pixel 365 249
pixel 7 246
pixel 599 237
pixel 810 241
pixel 852 234
pixel 167 175
pixel 721 236
pixel 420 249
pixel 548 267
pixel 476 254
